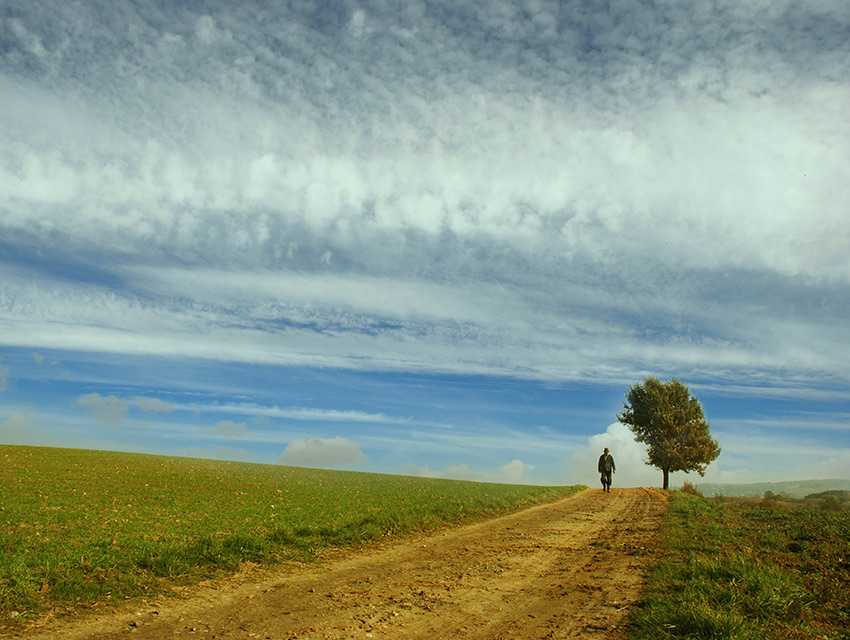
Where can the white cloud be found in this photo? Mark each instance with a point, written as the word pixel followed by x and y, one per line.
pixel 514 472
pixel 333 415
pixel 357 24
pixel 424 471
pixel 462 472
pixel 19 428
pixel 836 465
pixel 564 151
pixel 776 453
pixel 32 426
pixel 263 414
pixel 355 321
pixel 218 453
pixel 110 409
pixel 322 453
pixel 629 457
pixel 153 405
pixel 206 30
pixel 31 42
pixel 477 189
pixel 228 429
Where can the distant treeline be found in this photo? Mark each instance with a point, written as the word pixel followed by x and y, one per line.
pixel 841 494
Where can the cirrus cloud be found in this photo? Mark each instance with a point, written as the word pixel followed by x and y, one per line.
pixel 571 193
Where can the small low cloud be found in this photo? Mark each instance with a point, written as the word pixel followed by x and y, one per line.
pixel 835 466
pixel 18 428
pixel 112 409
pixel 39 359
pixel 109 410
pixel 322 453
pixel 514 472
pixel 423 471
pixel 153 405
pixel 29 428
pixel 219 453
pixel 228 428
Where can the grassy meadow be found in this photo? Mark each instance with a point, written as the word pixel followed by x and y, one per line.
pixel 749 571
pixel 83 528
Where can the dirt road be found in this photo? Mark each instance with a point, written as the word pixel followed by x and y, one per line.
pixel 569 569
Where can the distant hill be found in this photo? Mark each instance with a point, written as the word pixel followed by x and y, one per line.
pixel 794 488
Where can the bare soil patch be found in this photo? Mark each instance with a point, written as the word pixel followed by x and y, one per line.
pixel 567 569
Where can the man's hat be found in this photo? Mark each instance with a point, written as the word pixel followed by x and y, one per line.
pixel 606 450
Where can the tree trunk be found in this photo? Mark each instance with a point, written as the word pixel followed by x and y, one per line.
pixel 666 478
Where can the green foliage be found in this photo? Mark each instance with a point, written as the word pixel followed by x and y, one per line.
pixel 671 422
pixel 782 495
pixel 840 494
pixel 82 526
pixel 689 487
pixel 832 503
pixel 733 571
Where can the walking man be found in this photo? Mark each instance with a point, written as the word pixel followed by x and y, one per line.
pixel 606 467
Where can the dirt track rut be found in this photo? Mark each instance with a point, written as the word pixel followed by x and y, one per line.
pixel 568 569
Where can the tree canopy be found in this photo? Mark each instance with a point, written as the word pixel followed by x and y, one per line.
pixel 670 421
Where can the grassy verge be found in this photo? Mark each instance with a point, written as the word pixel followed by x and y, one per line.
pixel 748 571
pixel 81 528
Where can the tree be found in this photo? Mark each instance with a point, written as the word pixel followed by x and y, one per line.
pixel 670 421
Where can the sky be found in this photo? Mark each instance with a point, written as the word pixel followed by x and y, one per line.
pixel 431 238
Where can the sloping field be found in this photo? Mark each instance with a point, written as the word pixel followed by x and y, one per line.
pixel 83 530
pixel 566 569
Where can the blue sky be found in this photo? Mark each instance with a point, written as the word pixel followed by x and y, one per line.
pixel 429 238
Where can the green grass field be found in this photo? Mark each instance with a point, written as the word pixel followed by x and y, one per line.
pixel 749 571
pixel 81 528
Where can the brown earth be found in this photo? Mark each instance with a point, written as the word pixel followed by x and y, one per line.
pixel 567 569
